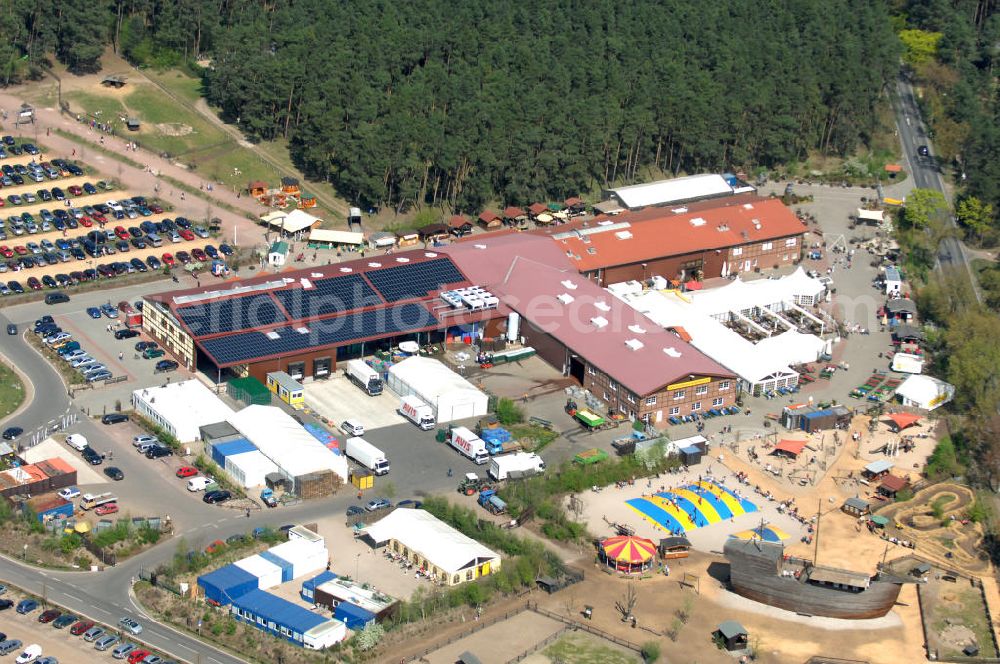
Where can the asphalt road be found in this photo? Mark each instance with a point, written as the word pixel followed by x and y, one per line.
pixel 926 172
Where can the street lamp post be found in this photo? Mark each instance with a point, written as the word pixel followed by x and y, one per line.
pixel 24 554
pixel 357 566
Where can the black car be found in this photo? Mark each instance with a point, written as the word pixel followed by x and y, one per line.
pixel 923 151
pixel 15 286
pixel 115 473
pixel 63 621
pixel 138 265
pixel 213 497
pixel 6 604
pixel 143 345
pixel 158 452
pixel 91 456
pixel 114 418
pixel 125 334
pixel 153 262
pixel 164 366
pixel 12 329
pixel 10 433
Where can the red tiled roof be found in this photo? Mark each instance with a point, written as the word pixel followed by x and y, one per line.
pixel 487 258
pixel 512 212
pixel 533 289
pixel 572 200
pixel 457 221
pixel 657 232
pixel 486 216
pixel 537 208
pixel 893 483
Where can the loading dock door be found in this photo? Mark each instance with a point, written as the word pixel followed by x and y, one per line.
pixel 321 367
pixel 297 370
pixel 576 368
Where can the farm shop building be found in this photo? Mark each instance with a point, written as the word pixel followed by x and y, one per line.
pixel 304 322
pixel 708 239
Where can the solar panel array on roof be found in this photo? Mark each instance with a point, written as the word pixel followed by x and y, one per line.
pixel 410 280
pixel 328 296
pixel 247 346
pixel 230 315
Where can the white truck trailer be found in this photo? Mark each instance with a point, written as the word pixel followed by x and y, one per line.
pixel 469 444
pixel 519 464
pixel 417 412
pixel 367 455
pixel 364 377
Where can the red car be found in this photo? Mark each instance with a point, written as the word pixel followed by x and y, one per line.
pixel 86 222
pixel 186 471
pixel 99 218
pixel 20 250
pixel 76 190
pixel 137 656
pixel 199 255
pixel 186 234
pixel 168 259
pixel 49 616
pixel 6 251
pixel 121 233
pixel 80 626
pixel 34 283
pixel 106 508
pixel 156 209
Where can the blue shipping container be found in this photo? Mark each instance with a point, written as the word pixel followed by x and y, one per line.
pixel 287 572
pixel 309 585
pixel 227 583
pixel 353 616
pixel 60 511
pixel 222 450
pixel 276 613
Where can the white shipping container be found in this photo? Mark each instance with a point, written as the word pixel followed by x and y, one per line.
pixel 304 557
pixel 268 574
pixel 250 468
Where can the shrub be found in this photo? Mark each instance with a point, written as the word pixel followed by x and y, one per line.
pixel 508 412
pixel 650 652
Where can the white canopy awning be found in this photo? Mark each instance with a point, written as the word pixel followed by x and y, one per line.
pixel 290 222
pixel 871 215
pixel 336 237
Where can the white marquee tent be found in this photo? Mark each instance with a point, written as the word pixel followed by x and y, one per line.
pixel 925 392
pixel 451 396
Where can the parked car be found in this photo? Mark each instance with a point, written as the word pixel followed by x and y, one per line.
pixel 9 646
pixel 80 627
pixel 49 615
pixel 126 334
pixel 186 471
pixel 94 312
pixel 114 418
pixel 123 651
pixel 10 433
pixel 29 654
pixel 137 656
pixel 130 625
pixel 158 452
pixel 213 497
pixel 105 642
pixel 93 634
pixel 63 621
pixel 26 606
pixel 377 504
pixel 164 366
pixel 115 473
pixel 105 509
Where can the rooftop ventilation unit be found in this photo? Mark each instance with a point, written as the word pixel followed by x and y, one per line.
pixel 637 329
pixel 302 330
pixel 680 210
pixel 272 335
pixel 634 344
pixel 748 206
pixel 599 321
pixel 602 305
pixel 235 290
pixel 723 227
pixel 569 284
pixel 565 298
pixel 402 259
pixel 479 246
pixel 697 221
pixel 374 264
pixel 605 222
pixel 430 254
pixel 757 224
pixel 624 235
pixel 305 283
pixel 592 251
pixel 346 269
pixel 672 352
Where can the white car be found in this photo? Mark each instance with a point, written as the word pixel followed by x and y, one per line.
pixel 115 205
pixel 30 654
pixel 69 493
pixel 77 442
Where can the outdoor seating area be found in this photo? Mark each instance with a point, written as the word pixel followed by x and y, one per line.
pixel 707 415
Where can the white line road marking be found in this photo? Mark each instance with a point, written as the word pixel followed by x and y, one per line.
pixel 73 597
pixel 97 608
pixel 181 645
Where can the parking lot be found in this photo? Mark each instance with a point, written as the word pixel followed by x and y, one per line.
pixel 58 642
pixel 338 399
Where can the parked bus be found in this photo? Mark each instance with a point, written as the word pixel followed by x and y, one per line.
pixel 131 317
pixel 89 501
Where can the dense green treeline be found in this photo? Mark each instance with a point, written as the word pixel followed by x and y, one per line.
pixel 461 102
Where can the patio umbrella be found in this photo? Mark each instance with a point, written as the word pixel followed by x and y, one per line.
pixel 693 285
pixel 628 549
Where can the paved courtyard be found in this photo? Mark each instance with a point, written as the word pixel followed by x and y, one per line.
pixel 338 399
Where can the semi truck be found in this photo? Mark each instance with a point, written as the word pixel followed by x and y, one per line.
pixel 469 444
pixel 521 464
pixel 417 412
pixel 364 377
pixel 367 455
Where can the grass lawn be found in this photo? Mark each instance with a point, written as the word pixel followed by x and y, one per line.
pixel 580 648
pixel 99 106
pixel 11 391
pixel 966 609
pixel 181 84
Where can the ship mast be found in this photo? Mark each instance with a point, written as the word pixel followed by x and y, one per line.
pixel 819 514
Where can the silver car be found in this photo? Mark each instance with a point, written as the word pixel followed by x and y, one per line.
pixel 105 642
